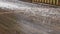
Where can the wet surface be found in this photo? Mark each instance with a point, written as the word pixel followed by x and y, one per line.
pixel 28 18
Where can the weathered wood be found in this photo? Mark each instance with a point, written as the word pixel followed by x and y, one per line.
pixel 30 19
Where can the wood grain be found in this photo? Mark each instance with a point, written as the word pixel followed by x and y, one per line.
pixel 32 20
